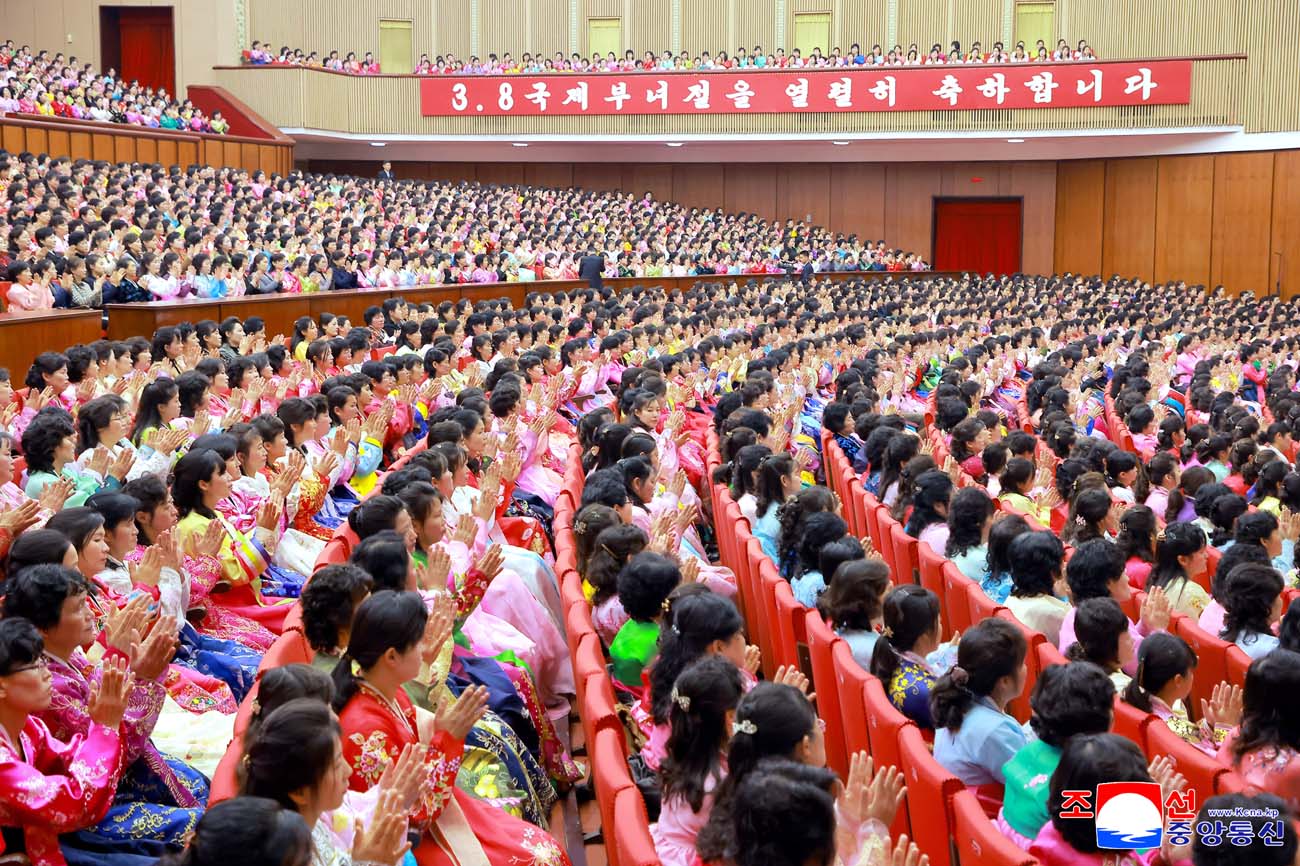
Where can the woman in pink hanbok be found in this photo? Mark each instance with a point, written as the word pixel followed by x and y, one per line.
pixel 158 799
pixel 48 786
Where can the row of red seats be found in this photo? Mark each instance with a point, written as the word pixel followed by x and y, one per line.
pixel 624 822
pixel 945 819
pixel 963 603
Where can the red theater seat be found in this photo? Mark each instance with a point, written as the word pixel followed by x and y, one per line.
pixel 821 649
pixel 978 841
pixel 929 788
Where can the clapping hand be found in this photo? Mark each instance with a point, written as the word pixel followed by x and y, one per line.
pixel 457 718
pixel 23 517
pixel 150 658
pixel 108 697
pixel 56 494
pixel 491 563
pixel 870 795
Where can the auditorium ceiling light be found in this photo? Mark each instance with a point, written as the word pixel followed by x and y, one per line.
pixel 839 143
pixel 378 144
pixel 674 143
pixel 1015 141
pixel 518 144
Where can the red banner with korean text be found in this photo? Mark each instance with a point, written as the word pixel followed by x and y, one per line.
pixel 890 88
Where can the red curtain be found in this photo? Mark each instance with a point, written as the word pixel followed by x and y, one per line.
pixel 978 235
pixel 148 46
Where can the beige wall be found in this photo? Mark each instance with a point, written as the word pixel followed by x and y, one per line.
pixel 205 30
pixel 1114 28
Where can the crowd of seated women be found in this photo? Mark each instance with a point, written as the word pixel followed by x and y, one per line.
pixel 83 234
pixel 174 498
pixel 261 54
pixel 48 85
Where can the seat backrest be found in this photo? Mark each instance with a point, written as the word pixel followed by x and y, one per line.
pixel 930 787
pixel 631 830
pixel 1201 770
pixel 821 648
pixel 1049 655
pixel 850 680
pixel 931 569
pixel 884 725
pixel 904 554
pixel 981 607
pixel 288 648
pixel 855 508
pixel 1212 657
pixel 954 595
pixel 1131 723
pixel 1019 706
pixel 1236 665
pixel 791 617
pixel 977 839
pixel 765 606
pixel 598 707
pixel 610 775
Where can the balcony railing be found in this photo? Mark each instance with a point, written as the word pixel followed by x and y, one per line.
pixel 317 99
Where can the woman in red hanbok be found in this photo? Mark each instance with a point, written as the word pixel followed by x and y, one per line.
pixel 386 648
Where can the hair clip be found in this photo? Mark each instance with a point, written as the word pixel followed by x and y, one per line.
pixel 886 631
pixel 681 700
pixel 605 547
pixel 356 668
pixel 580 527
pixel 666 606
pixel 744 727
pixel 1079 521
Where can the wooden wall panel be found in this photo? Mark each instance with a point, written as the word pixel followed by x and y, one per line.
pixel 750 188
pixel 1035 183
pixel 1184 218
pixel 14 139
pixel 146 149
pixel 1080 213
pixel 166 152
pixel 38 141
pixel 857 199
pixel 698 185
pixel 1243 212
pixel 549 174
pixel 502 27
pixel 977 19
pixel 704 27
pixel 500 173
pixel 923 22
pixel 806 194
pixel 650 25
pixel 1284 261
pixel 547 25
pixel 755 25
pixel 1128 234
pixel 59 141
pixel 655 179
pixel 910 189
pixel 599 176
pixel 123 149
pixel 187 153
pixel 863 22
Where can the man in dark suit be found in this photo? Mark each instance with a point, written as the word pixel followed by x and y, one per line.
pixel 805 268
pixel 386 173
pixel 591 268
